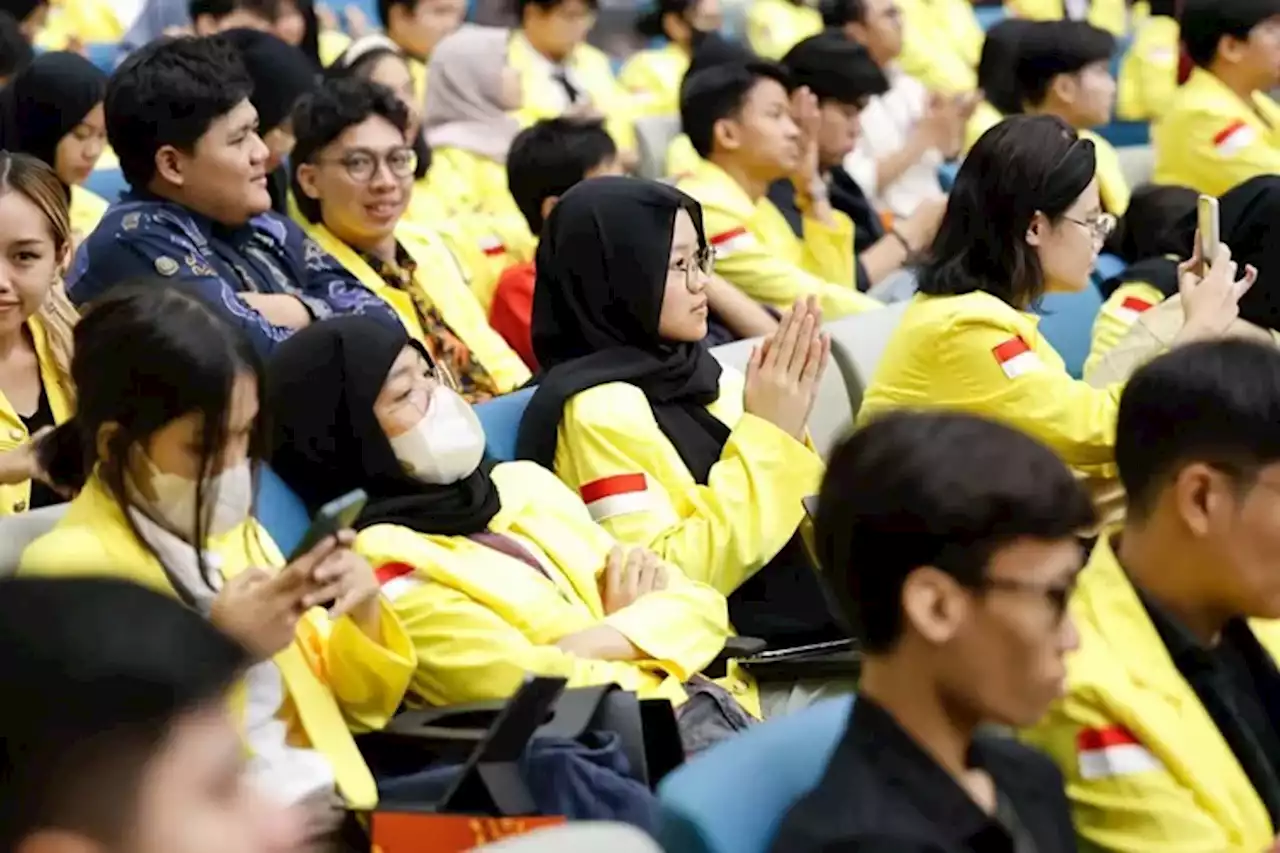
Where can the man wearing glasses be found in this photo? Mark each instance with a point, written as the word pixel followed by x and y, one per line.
pixel 1167 733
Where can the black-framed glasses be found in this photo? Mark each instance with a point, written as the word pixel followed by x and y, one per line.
pixel 1058 595
pixel 1100 227
pixel 362 164
pixel 703 261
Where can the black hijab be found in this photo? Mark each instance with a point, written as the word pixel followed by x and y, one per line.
pixel 602 271
pixel 46 100
pixel 326 441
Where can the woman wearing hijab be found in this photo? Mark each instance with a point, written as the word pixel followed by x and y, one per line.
pixel 281 74
pixel 494 572
pixel 667 450
pixel 52 110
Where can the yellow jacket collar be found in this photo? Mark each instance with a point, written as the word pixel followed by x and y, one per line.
pixel 50 378
pixel 728 192
pixel 1203 87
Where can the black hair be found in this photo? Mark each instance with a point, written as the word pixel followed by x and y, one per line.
pixel 649 24
pixel 997 66
pixel 1054 48
pixel 361 69
pixel 1214 402
pixel 1022 165
pixel 15 51
pixel 547 5
pixel 1204 23
pixel 168 93
pixel 384 9
pixel 105 669
pixel 835 69
pixel 941 489
pixel 708 97
pixel 549 157
pixel 1165 8
pixel 711 50
pixel 218 9
pixel 321 117
pixel 1150 225
pixel 837 13
pixel 145 354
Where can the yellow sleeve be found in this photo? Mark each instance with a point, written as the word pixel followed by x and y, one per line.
pixel 467 318
pixel 719 533
pixel 765 32
pixel 1075 419
pixel 931 59
pixel 1117 316
pixel 1148 77
pixel 1193 157
pixel 650 91
pixel 1139 812
pixel 368 679
pixel 1112 185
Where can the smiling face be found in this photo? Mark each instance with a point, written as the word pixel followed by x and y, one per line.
pixel 29 259
pixel 224 176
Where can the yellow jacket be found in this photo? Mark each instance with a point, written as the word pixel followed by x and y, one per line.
pixel 481 620
pixel 682 161
pixel 653 79
pixel 1185 790
pixel 1112 185
pixel 591 67
pixel 443 280
pixel 719 534
pixel 1148 79
pixel 336 679
pixel 941 43
pixel 13 433
pixel 776 26
pixel 1210 140
pixel 758 253
pixel 87 208
pixel 86 21
pixel 1108 15
pixel 976 354
pixel 1117 316
pixel 983 119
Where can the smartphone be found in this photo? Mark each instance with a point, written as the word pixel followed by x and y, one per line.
pixel 1209 229
pixel 338 514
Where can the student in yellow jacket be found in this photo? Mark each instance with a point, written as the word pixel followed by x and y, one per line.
pixel 776 26
pixel 667 451
pixel 653 76
pixel 1109 15
pixel 1166 734
pixel 353 177
pixel 997 78
pixel 1223 128
pixel 36 391
pixel 941 44
pixel 1148 79
pixel 1024 218
pixel 79 22
pixel 496 572
pixel 160 449
pixel 416 27
pixel 739 119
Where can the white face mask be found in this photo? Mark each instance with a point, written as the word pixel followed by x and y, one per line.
pixel 446 445
pixel 231 491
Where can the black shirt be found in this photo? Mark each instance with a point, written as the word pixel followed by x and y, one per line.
pixel 41 495
pixel 882 793
pixel 1239 686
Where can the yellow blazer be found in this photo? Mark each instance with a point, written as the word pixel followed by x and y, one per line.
pixel 653 78
pixel 443 280
pixel 336 679
pixel 776 26
pixel 13 433
pixel 941 43
pixel 481 620
pixel 1109 15
pixel 1189 793
pixel 87 208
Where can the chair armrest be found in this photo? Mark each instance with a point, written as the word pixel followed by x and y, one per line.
pixel 734 649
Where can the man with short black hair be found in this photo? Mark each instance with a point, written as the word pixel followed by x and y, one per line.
pixel 1167 733
pixel 1063 69
pixel 951 542
pixel 417 26
pixel 199 211
pixel 1223 127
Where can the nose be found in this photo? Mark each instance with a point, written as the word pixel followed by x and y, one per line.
pixel 790 127
pixel 260 152
pixel 1069 635
pixel 382 178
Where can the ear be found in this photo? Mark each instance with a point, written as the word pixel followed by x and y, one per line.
pixel 1231 48
pixel 307 180
pixel 934 604
pixel 1036 231
pixel 396 14
pixel 204 25
pixel 726 136
pixel 102 441
pixel 1064 88
pixel 1201 495
pixel 549 204
pixel 171 165
pixel 856 31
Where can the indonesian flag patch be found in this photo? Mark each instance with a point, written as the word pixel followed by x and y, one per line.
pixel 732 241
pixel 1131 307
pixel 1234 138
pixel 621 494
pixel 1016 358
pixel 491 245
pixel 396 579
pixel 1112 751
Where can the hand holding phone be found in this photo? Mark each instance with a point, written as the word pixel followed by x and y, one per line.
pixel 338 514
pixel 1208 231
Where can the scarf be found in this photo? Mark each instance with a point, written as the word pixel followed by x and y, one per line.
pixel 464 106
pixel 46 100
pixel 321 387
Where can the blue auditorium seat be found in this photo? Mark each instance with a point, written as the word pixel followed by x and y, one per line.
pixel 1066 321
pixel 108 183
pixel 1107 267
pixel 947 175
pixel 281 511
pixel 500 418
pixel 707 808
pixel 989 16
pixel 103 54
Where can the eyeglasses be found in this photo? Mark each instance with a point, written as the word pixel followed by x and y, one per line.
pixel 704 262
pixel 1058 595
pixel 1100 227
pixel 362 164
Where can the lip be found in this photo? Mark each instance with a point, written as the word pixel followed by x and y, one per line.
pixel 9 306
pixel 260 180
pixel 384 209
pixel 702 309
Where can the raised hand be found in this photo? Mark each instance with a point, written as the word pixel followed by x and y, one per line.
pixel 785 370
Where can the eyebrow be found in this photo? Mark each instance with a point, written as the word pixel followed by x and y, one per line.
pixel 30 241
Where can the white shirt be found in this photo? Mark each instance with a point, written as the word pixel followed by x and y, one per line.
pixel 550 71
pixel 1075 10
pixel 887 123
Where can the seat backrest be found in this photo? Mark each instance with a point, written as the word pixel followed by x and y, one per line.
pixel 19 531
pixel 281 511
pixel 1137 163
pixel 858 341
pixel 500 418
pixel 833 411
pixel 707 808
pixel 1066 321
pixel 653 135
pixel 108 183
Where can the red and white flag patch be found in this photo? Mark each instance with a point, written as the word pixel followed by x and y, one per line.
pixel 1234 138
pixel 732 241
pixel 621 494
pixel 491 245
pixel 1112 751
pixel 1131 307
pixel 1016 358
pixel 396 579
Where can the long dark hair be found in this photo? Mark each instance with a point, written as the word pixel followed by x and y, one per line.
pixel 146 354
pixel 1022 166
